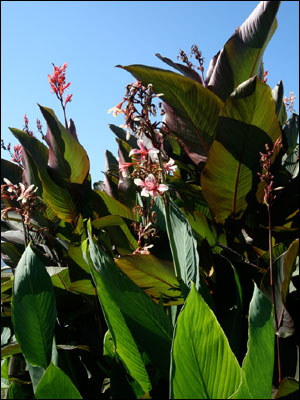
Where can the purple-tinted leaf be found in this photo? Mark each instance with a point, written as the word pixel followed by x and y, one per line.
pixel 282 272
pixel 186 71
pixel 241 56
pixel 110 183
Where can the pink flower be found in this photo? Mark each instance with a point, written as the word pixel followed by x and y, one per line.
pixel 123 168
pixel 169 166
pixel 143 151
pixel 117 109
pixel 150 186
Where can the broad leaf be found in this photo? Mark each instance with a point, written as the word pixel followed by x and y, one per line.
pixel 196 108
pixel 122 337
pixel 202 363
pixel 146 320
pixel 68 161
pixel 241 57
pixel 287 386
pixel 58 198
pixel 183 244
pixel 10 171
pixel 156 277
pixel 33 309
pixel 55 384
pixel 282 273
pixel 247 122
pixel 257 368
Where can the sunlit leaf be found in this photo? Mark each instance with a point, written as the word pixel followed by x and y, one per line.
pixel 257 368
pixel 202 363
pixel 62 389
pixel 241 56
pixel 247 122
pixel 156 277
pixel 33 309
pixel 193 109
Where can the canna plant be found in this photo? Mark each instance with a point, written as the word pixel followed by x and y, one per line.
pixel 177 276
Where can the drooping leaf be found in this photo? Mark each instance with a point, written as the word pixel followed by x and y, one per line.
pixel 156 277
pixel 202 363
pixel 247 122
pixel 287 386
pixel 241 56
pixel 196 108
pixel 186 71
pixel 33 309
pixel 146 320
pixel 282 273
pixel 68 161
pixel 55 384
pixel 257 368
pixel 122 336
pixel 58 198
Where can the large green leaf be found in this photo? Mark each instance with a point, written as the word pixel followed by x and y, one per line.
pixel 202 363
pixel 122 337
pixel 33 309
pixel 247 122
pixel 68 161
pixel 193 109
pixel 58 198
pixel 241 56
pixel 257 368
pixel 183 244
pixel 147 321
pixel 156 277
pixel 55 384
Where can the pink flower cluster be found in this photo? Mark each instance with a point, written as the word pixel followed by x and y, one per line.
pixel 58 82
pixel 147 173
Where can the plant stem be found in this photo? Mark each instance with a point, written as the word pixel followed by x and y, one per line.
pixel 273 295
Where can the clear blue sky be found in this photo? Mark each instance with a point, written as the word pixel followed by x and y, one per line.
pixel 94 36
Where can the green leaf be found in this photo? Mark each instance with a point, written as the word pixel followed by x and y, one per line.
pixel 55 384
pixel 247 122
pixel 58 198
pixel 184 248
pixel 193 109
pixel 241 56
pixel 82 286
pixel 10 349
pixel 257 368
pixel 74 250
pixel 202 363
pixel 68 161
pixel 156 277
pixel 122 337
pixel 115 207
pixel 287 386
pixel 33 309
pixel 280 109
pixel 147 321
pixel 291 131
